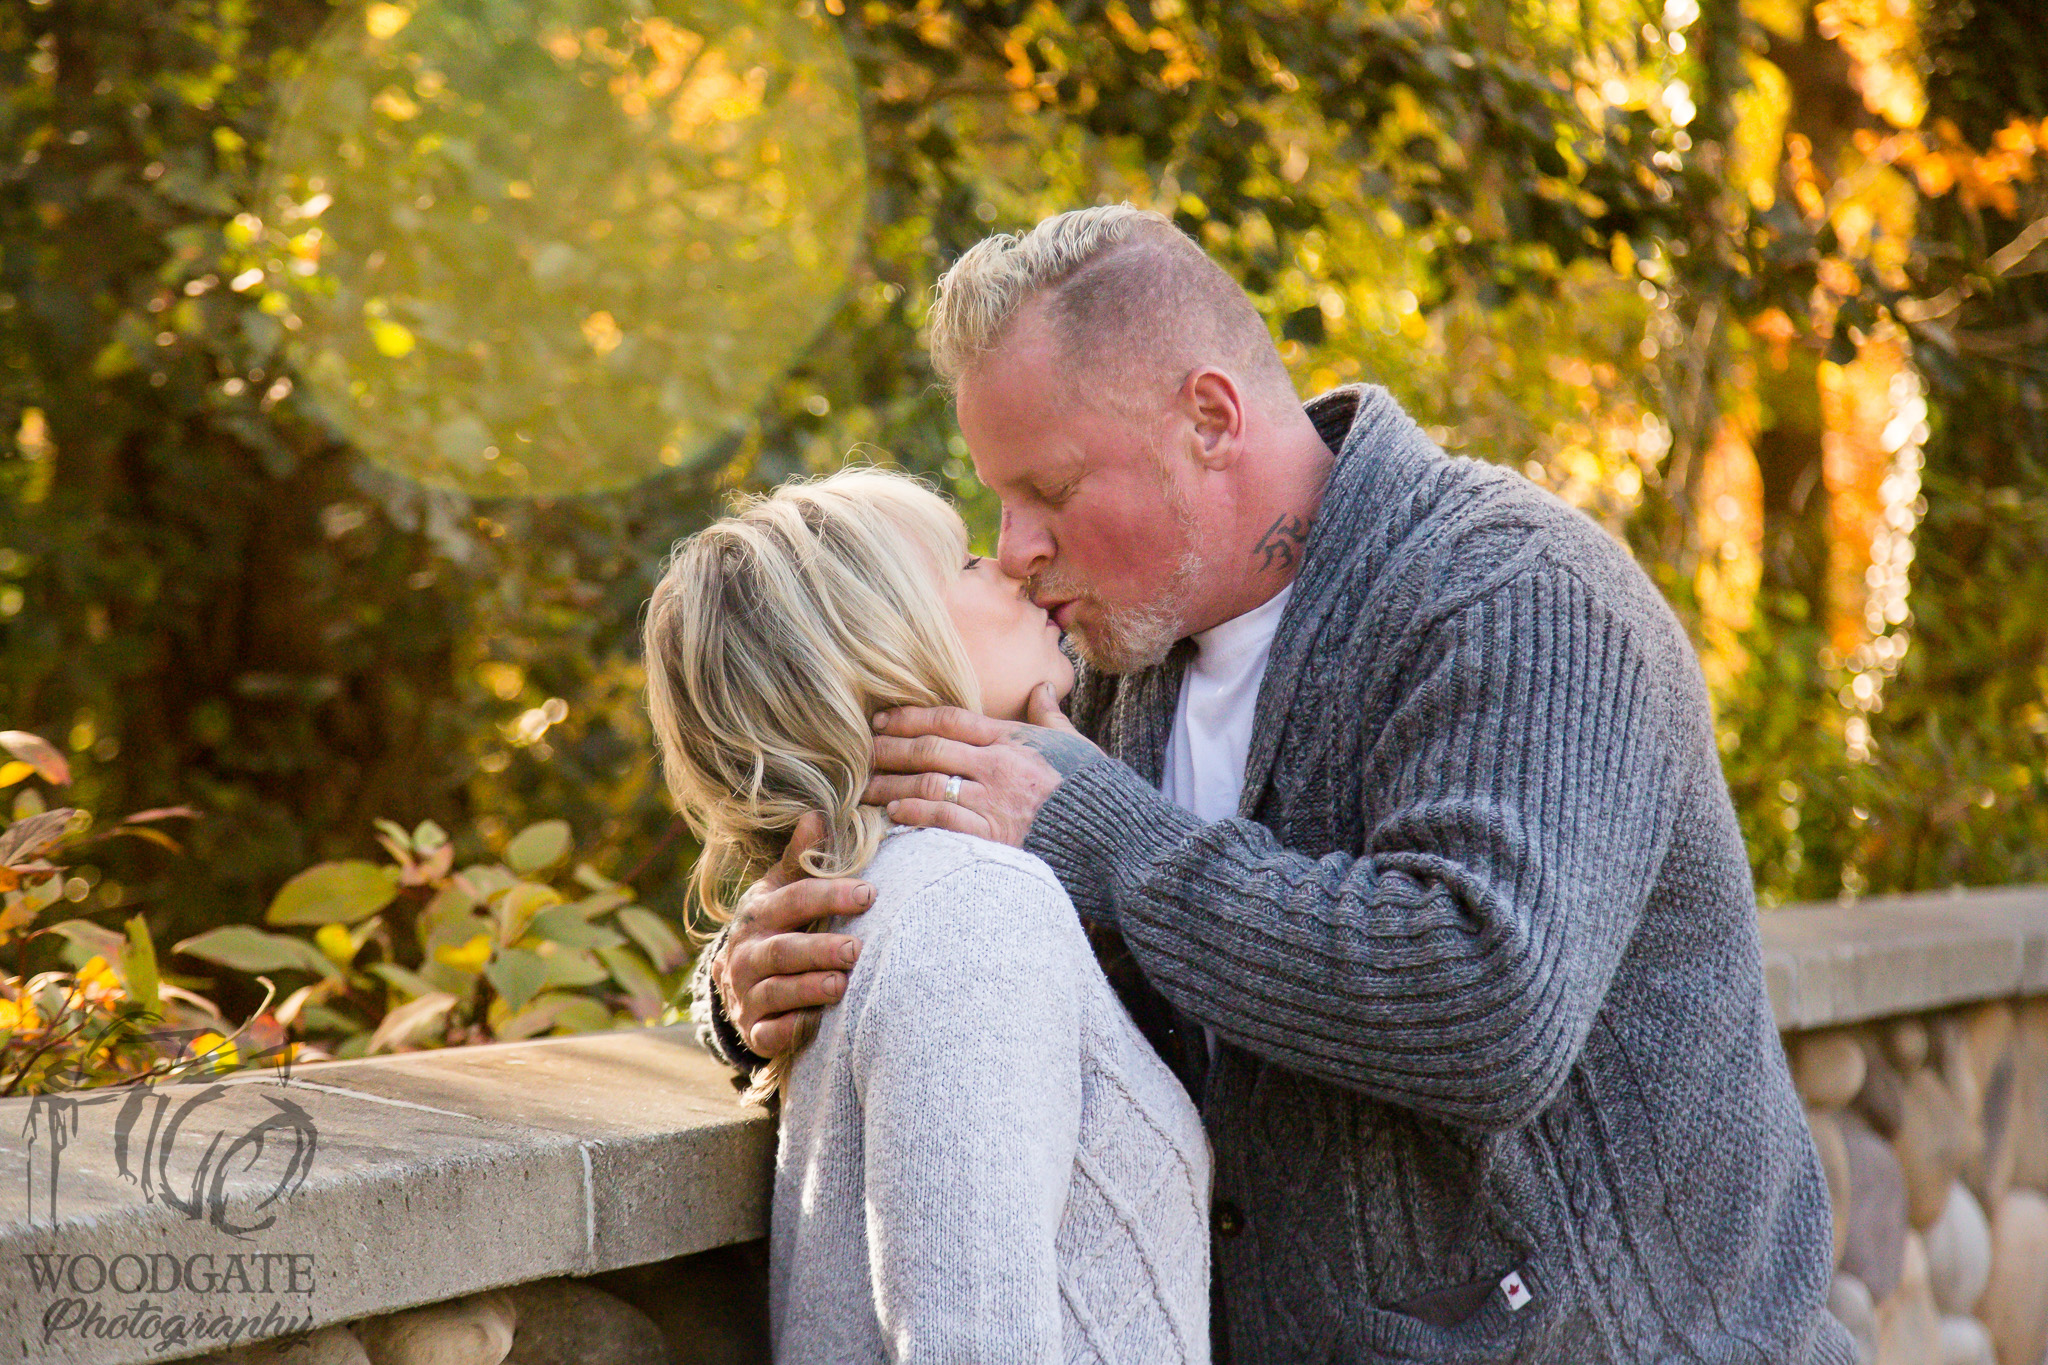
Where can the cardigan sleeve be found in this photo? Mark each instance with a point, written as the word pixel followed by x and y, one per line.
pixel 1518 801
pixel 967 1059
pixel 715 1029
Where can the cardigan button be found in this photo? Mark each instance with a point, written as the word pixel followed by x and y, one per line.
pixel 1226 1219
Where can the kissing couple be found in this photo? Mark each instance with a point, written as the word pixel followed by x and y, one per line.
pixel 1352 959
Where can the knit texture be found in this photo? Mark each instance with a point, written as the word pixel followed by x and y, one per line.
pixel 980 1158
pixel 1480 949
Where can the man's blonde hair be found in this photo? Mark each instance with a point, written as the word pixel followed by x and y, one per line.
pixel 1125 290
pixel 772 638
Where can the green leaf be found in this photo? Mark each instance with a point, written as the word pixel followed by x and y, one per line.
pixel 603 901
pixel 517 976
pixel 138 966
pixel 334 893
pixel 643 990
pixel 246 948
pixel 535 1018
pixel 652 933
pixel 40 896
pixel 450 917
pixel 408 983
pixel 394 831
pixel 567 967
pixel 428 837
pixel 517 907
pixel 538 846
pixel 566 925
pixel 94 938
pixel 583 1015
pixel 485 880
pixel 410 1020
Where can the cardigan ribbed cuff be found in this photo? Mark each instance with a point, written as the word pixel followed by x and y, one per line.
pixel 715 1028
pixel 1100 828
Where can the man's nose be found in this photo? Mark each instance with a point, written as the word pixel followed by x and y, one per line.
pixel 1023 548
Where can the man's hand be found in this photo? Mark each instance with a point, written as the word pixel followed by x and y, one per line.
pixel 771 973
pixel 1007 769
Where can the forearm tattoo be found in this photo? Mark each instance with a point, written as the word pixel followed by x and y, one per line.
pixel 1067 754
pixel 1280 547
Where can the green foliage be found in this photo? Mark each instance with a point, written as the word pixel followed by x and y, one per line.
pixel 82 1005
pixel 1519 217
pixel 418 953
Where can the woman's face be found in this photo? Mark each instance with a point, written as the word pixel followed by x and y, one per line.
pixel 1013 645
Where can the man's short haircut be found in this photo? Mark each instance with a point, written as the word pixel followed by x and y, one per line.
pixel 1127 294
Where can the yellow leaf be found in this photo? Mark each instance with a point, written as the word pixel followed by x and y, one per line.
pixel 13 772
pixel 469 957
pixel 212 1048
pixel 96 972
pixel 336 941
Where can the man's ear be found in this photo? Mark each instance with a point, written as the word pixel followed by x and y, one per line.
pixel 1216 412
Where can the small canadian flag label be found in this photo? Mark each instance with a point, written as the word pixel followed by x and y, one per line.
pixel 1516 1291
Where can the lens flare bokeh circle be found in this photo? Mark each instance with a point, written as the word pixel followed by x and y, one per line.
pixel 556 246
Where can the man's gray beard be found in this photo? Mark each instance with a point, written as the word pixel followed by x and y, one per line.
pixel 1135 638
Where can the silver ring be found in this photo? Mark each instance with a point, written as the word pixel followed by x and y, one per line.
pixel 952 788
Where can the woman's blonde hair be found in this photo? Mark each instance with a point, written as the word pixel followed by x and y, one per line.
pixel 773 637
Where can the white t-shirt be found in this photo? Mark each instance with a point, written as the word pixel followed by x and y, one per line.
pixel 1212 725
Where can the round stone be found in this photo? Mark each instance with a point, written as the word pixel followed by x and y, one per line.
pixel 1987 1033
pixel 329 1346
pixel 2014 1308
pixel 1959 1252
pixel 1877 1208
pixel 562 1322
pixel 1905 1043
pixel 1908 1324
pixel 1827 1068
pixel 2028 1120
pixel 1883 1096
pixel 1965 1342
pixel 470 1331
pixel 1950 1055
pixel 1849 1301
pixel 1931 1142
pixel 1834 1163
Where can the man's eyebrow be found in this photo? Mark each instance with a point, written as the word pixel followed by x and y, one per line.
pixel 1056 484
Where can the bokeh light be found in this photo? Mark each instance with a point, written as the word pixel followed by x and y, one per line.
pixel 555 246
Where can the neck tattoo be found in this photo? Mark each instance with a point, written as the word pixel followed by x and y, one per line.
pixel 1280 547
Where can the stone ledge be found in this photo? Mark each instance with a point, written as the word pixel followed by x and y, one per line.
pixel 437 1175
pixel 1841 964
pixel 431 1175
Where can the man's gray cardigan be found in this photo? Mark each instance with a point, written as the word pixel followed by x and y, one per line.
pixel 1480 952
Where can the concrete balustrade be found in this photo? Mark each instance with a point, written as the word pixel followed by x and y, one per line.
pixel 600 1200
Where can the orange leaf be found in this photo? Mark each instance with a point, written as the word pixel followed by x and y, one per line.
pixel 162 813
pixel 155 836
pixel 39 754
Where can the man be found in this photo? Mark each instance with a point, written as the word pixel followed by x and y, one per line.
pixel 1443 913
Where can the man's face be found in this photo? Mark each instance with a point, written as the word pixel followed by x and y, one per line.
pixel 1092 516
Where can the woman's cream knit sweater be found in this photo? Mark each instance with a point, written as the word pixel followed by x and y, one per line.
pixel 981 1159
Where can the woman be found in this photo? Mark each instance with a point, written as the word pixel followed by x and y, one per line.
pixel 980 1158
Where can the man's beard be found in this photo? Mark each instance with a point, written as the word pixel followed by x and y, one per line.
pixel 1127 639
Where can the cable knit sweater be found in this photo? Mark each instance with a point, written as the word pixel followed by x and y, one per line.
pixel 1498 1078
pixel 980 1157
